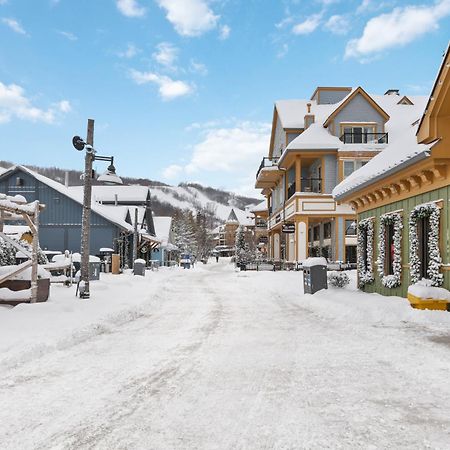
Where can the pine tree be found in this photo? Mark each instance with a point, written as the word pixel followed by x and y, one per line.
pixel 242 249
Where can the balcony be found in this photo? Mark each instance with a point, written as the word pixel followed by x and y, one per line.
pixel 364 138
pixel 268 173
pixel 311 185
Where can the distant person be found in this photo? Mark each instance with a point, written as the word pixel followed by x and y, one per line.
pixel 217 258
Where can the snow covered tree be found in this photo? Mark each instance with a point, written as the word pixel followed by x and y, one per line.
pixel 184 232
pixel 242 250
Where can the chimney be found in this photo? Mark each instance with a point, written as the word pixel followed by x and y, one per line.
pixel 66 178
pixel 392 92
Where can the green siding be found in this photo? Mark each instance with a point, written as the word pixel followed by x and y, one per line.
pixel 407 206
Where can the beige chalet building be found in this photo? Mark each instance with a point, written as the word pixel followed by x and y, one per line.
pixel 315 144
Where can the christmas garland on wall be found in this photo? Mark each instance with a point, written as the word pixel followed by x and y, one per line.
pixel 365 252
pixel 394 280
pixel 433 213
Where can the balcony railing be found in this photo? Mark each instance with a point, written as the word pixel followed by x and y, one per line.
pixel 311 185
pixel 364 138
pixel 267 162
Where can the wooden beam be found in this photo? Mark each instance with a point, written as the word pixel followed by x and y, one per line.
pixel 30 223
pixel 18 269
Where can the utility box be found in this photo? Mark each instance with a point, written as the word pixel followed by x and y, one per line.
pixel 115 264
pixel 314 275
pixel 94 270
pixel 139 267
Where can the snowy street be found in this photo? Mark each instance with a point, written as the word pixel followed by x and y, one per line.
pixel 211 358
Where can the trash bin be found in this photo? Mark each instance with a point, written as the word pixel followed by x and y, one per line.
pixel 314 275
pixel 139 267
pixel 94 270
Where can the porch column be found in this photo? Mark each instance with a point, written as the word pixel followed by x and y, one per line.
pixel 333 239
pixel 302 238
pixel 276 246
pixel 340 239
pixel 298 174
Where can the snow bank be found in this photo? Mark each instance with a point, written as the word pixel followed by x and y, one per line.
pixel 24 275
pixel 28 331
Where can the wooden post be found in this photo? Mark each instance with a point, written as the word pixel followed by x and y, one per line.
pixel 298 174
pixel 86 218
pixel 34 256
pixel 115 264
pixel 135 237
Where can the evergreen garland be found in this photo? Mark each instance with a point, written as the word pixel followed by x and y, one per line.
pixel 394 280
pixel 432 212
pixel 365 258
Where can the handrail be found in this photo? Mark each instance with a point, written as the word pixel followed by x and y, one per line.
pixel 364 138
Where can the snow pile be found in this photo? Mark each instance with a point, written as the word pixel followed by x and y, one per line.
pixel 25 274
pixel 424 289
pixel 317 261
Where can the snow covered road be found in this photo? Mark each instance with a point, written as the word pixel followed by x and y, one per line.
pixel 215 359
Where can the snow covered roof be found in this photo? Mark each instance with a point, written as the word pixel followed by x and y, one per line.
pixel 163 225
pixel 77 196
pixel 260 207
pixel 232 217
pixel 315 137
pixel 123 194
pixel 403 151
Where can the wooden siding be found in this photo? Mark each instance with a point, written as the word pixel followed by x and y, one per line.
pixel 407 205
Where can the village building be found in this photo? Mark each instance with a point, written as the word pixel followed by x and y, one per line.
pixel 60 222
pixel 402 200
pixel 315 144
pixel 224 236
pixel 166 252
pixel 261 213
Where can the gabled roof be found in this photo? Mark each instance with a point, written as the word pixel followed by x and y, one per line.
pixel 232 217
pixel 116 218
pixel 123 194
pixel 163 226
pixel 260 207
pixel 349 98
pixel 434 91
pixel 405 101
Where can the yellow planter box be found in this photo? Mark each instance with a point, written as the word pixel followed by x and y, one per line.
pixel 428 303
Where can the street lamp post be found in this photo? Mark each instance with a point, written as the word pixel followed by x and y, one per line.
pixel 109 177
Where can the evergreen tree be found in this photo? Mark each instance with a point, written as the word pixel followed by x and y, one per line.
pixel 242 250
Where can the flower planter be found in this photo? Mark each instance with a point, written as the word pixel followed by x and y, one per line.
pixel 20 285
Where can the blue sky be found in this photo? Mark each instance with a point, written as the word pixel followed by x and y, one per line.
pixel 183 90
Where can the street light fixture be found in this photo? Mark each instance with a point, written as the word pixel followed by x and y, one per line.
pixel 109 177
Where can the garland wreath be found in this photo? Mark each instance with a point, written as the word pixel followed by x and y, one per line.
pixel 395 219
pixel 365 252
pixel 431 211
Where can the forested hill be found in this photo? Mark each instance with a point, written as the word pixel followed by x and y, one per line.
pixel 166 199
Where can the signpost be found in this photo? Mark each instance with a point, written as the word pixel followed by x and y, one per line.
pixel 288 228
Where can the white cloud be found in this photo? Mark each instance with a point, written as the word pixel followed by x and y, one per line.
pixel 3 2
pixel 227 148
pixel 236 150
pixel 283 51
pixel 64 106
pixel 169 89
pixel 166 54
pixel 225 31
pixel 14 25
pixel 130 8
pixel 130 52
pixel 189 17
pixel 68 35
pixel 14 104
pixel 397 28
pixel 173 171
pixel 338 24
pixel 198 67
pixel 308 25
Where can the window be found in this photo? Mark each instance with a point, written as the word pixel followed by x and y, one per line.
pixel 423 231
pixel 350 254
pixel 291 182
pixel 350 165
pixel 389 249
pixel 327 230
pixel 358 134
pixel 316 233
pixel 350 228
pixel 19 181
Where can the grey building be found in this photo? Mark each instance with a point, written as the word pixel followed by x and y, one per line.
pixel 60 222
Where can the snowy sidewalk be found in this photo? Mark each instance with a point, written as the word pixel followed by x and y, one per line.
pixel 217 359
